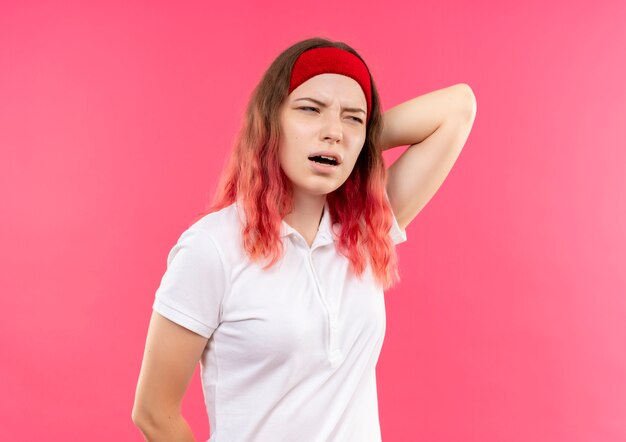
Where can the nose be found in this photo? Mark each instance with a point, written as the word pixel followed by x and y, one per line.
pixel 332 130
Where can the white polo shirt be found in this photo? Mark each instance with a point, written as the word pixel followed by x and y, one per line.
pixel 292 350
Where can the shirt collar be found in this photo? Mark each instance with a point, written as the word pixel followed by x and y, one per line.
pixel 326 233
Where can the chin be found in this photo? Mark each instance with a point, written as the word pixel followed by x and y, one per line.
pixel 319 190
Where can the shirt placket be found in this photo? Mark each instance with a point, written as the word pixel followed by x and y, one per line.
pixel 334 353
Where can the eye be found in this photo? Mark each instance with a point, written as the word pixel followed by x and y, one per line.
pixel 308 107
pixel 357 119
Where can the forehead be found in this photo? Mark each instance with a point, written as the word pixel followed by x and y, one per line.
pixel 329 87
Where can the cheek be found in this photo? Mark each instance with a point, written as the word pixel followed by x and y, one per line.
pixel 281 151
pixel 290 145
pixel 286 154
pixel 353 161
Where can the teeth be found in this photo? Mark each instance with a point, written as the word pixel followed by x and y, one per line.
pixel 318 159
pixel 332 159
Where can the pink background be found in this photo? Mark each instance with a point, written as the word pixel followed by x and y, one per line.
pixel 115 120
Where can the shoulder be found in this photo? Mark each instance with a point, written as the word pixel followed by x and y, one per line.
pixel 219 224
pixel 222 227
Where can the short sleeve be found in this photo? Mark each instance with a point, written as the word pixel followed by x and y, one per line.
pixel 397 235
pixel 192 289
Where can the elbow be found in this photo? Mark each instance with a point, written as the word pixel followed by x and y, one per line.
pixel 468 101
pixel 142 417
pixel 138 416
pixel 150 419
pixel 146 423
pixel 134 415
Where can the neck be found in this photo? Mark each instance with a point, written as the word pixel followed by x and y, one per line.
pixel 306 215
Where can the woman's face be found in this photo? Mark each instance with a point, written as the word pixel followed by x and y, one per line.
pixel 331 123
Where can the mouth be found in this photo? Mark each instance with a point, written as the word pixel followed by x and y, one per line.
pixel 323 167
pixel 326 160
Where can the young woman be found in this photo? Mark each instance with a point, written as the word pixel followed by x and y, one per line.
pixel 278 289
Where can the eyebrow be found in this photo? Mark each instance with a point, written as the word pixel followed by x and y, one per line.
pixel 349 109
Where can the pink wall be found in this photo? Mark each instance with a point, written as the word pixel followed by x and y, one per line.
pixel 115 120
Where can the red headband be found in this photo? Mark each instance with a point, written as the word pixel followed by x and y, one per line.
pixel 331 60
